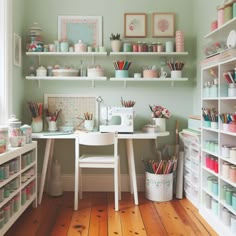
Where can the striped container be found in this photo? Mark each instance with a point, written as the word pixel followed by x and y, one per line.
pixel 179 37
pixel 220 15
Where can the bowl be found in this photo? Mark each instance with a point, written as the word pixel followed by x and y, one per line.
pixel 17 141
pixel 65 72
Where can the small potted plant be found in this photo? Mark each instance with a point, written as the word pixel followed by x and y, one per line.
pixel 115 42
pixel 159 115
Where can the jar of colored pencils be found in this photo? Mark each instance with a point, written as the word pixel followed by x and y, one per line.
pixel 37 124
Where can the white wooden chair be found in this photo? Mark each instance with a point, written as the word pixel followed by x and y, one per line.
pixel 97 161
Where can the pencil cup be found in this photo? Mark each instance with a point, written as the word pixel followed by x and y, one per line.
pixel 88 125
pixel 159 187
pixel 52 126
pixel 37 124
pixel 176 74
pixel 122 73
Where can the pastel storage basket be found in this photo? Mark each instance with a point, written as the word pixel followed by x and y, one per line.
pixel 159 187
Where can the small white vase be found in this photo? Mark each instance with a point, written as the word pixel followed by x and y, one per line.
pixel 161 123
pixel 116 45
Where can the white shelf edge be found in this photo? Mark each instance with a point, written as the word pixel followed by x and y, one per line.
pixel 66 53
pixel 149 53
pixel 75 78
pixel 149 79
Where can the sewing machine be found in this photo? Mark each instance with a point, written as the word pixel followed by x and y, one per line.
pixel 117 119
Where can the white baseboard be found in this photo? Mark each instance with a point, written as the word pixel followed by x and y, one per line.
pixel 101 183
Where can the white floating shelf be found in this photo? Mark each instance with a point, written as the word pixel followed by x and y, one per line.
pixel 66 53
pixel 149 53
pixel 75 78
pixel 149 79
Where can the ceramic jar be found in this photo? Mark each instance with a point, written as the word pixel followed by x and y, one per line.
pixel 80 47
pixel 41 71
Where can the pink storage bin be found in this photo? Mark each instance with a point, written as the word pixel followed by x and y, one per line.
pixel 150 74
pixel 232 127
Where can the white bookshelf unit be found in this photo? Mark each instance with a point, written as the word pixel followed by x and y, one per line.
pixel 18 183
pixel 217 189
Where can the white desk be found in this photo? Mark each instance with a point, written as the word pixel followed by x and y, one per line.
pixel 50 137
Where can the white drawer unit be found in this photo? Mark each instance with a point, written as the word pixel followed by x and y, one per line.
pixel 18 183
pixel 192 163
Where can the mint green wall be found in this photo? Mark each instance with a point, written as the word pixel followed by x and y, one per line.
pixel 205 12
pixel 179 98
pixel 18 15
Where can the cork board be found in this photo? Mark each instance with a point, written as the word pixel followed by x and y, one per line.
pixel 72 107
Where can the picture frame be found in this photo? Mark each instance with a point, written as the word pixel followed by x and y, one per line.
pixel 17 50
pixel 163 24
pixel 135 25
pixel 85 28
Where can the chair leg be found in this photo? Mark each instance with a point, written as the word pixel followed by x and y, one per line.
pixel 116 186
pixel 80 184
pixel 119 180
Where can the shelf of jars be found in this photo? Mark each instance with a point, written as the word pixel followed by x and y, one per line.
pixel 222 31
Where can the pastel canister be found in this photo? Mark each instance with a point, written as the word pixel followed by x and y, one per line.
pixel 220 15
pixel 228 196
pixel 225 169
pixel 169 46
pixel 232 154
pixel 27 132
pixel 232 173
pixel 228 12
pixel 208 201
pixel 215 187
pixel 3 139
pixel 179 41
pixel 64 46
pixel 215 206
pixel 226 216
pixel 234 200
pixel 233 223
pixel 225 151
pixel 234 9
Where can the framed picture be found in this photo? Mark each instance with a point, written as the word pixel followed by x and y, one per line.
pixel 85 28
pixel 135 25
pixel 17 50
pixel 163 25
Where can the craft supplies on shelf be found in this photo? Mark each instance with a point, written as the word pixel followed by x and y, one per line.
pixel 128 103
pixel 121 65
pixel 36 109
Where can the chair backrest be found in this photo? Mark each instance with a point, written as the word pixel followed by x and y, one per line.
pixel 97 138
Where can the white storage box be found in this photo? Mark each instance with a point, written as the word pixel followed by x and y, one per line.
pixel 159 187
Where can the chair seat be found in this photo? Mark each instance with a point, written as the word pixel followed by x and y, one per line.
pixel 97 159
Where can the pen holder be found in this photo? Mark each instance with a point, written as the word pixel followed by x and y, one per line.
pixel 159 187
pixel 88 125
pixel 52 124
pixel 37 124
pixel 175 74
pixel 121 73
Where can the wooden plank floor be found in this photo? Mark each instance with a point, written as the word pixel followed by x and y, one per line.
pixel 96 217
